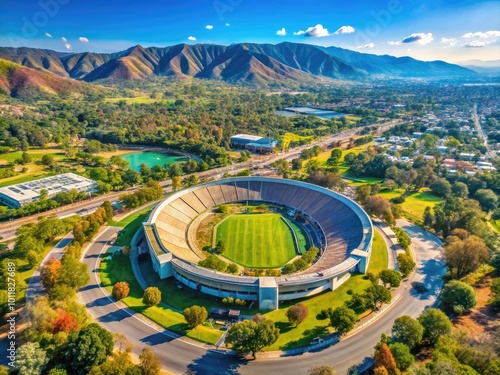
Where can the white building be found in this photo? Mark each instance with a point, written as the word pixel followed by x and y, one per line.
pixel 20 194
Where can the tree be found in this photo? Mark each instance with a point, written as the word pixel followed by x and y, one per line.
pixel 30 359
pixel 405 264
pixel 87 348
pixel 377 206
pixel 250 336
pixel 176 183
pixel 297 313
pixel 363 194
pixel 487 199
pixel 376 295
pixel 195 315
pixel 408 331
pixel 120 290
pixel 457 293
pixel 460 190
pixel 343 319
pixel 25 244
pixel 464 256
pixel 321 370
pixel 335 156
pixel 219 247
pixel 391 277
pixel 48 160
pixel 441 187
pixel 281 166
pixel 401 353
pixel 384 358
pixel 33 258
pixel 50 273
pixel 435 324
pixel 149 362
pixel 152 296
pixel 108 208
pixel 73 272
pixel 64 322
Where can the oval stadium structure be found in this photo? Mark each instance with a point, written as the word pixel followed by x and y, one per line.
pixel 342 230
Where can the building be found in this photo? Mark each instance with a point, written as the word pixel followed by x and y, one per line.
pixel 254 143
pixel 342 231
pixel 20 194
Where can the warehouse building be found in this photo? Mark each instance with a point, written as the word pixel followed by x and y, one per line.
pixel 254 143
pixel 20 194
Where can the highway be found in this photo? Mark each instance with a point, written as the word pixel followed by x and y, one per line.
pixel 179 354
pixel 8 228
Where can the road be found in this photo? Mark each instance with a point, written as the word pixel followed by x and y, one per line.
pixel 177 354
pixel 8 229
pixel 481 133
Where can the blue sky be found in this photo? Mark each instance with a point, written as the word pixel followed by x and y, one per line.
pixel 424 29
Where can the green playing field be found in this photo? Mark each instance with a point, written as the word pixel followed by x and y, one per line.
pixel 257 240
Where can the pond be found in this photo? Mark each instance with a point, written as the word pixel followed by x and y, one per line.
pixel 151 159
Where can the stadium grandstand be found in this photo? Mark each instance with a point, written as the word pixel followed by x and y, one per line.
pixel 344 232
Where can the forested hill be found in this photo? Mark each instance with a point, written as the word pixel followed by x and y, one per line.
pixel 238 63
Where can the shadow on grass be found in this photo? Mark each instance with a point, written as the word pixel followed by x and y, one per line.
pixel 308 336
pixel 284 327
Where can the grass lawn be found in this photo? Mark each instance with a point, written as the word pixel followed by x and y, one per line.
pixel 293 337
pixel 143 99
pixel 130 224
pixel 292 137
pixel 299 234
pixel 36 155
pixel 119 269
pixel 414 204
pixel 257 240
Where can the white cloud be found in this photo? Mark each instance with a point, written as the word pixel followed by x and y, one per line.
pixel 191 38
pixel 83 39
pixel 64 39
pixel 314 31
pixel 48 35
pixel 281 32
pixel 345 30
pixel 450 42
pixel 419 38
pixel 67 45
pixel 209 27
pixel 369 45
pixel 227 24
pixel 478 43
pixel 397 43
pixel 485 35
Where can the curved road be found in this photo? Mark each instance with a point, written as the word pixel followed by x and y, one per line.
pixel 178 354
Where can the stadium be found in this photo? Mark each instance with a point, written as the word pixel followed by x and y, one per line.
pixel 338 227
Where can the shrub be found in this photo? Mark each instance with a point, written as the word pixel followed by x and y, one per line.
pixel 152 296
pixel 232 268
pixel 120 290
pixel 195 315
pixel 297 313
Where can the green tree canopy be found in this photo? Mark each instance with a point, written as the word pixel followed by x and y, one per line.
pixel 435 323
pixel 250 336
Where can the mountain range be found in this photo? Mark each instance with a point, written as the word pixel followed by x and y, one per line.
pixel 247 63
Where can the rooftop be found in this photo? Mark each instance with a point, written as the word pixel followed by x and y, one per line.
pixel 53 184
